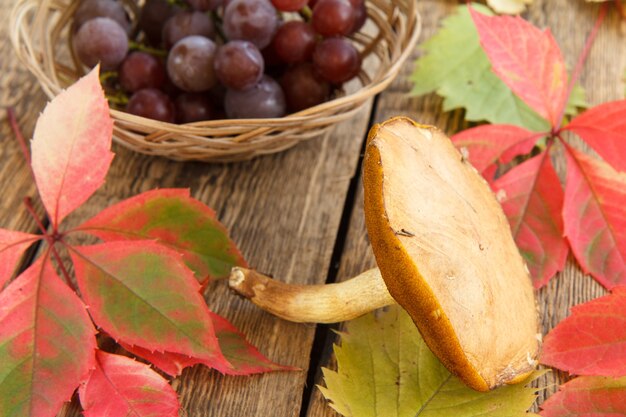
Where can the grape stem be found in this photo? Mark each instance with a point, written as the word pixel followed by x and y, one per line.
pixel 137 46
pixel 306 13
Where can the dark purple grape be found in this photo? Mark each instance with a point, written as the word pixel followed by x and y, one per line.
pixel 154 14
pixel 153 104
pixel 184 24
pixel 89 9
pixel 190 64
pixel 193 107
pixel 141 70
pixel 303 87
pixel 289 5
pixel 239 65
pixel 266 99
pixel 101 40
pixel 205 5
pixel 250 20
pixel 294 42
pixel 360 14
pixel 333 17
pixel 336 60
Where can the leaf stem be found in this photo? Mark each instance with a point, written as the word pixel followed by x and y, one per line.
pixel 582 58
pixel 64 271
pixel 15 127
pixel 28 202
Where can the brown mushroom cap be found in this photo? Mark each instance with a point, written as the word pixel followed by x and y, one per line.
pixel 446 253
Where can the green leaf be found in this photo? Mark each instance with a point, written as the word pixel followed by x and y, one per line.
pixel 386 369
pixel 456 67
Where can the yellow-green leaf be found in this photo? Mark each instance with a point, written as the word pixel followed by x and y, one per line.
pixel 386 369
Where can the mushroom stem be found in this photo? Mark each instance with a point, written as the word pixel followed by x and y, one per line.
pixel 329 303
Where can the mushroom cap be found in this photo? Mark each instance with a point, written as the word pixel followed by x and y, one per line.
pixel 445 251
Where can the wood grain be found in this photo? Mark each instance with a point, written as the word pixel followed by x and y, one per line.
pixel 603 81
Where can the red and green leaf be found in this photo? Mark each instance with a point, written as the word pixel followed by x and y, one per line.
pixel 121 386
pixel 588 396
pixel 47 343
pixel 244 358
pixel 527 59
pixel 592 341
pixel 71 147
pixel 12 246
pixel 485 146
pixel 604 128
pixel 176 220
pixel 141 293
pixel 594 213
pixel 532 199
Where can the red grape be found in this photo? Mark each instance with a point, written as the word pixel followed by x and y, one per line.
pixel 141 70
pixel 360 14
pixel 266 99
pixel 289 5
pixel 333 17
pixel 154 14
pixel 153 104
pixel 184 24
pixel 250 20
pixel 101 40
pixel 336 60
pixel 239 65
pixel 303 87
pixel 193 107
pixel 205 5
pixel 89 9
pixel 294 42
pixel 190 64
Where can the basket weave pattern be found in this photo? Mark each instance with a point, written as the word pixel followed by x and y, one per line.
pixel 41 37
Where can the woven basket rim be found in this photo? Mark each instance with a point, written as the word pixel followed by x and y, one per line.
pixel 36 50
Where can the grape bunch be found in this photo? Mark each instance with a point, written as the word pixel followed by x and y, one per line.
pixel 190 60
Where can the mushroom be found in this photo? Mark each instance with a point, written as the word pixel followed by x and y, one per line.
pixel 445 253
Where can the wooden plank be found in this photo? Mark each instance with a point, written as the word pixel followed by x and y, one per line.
pixel 603 82
pixel 283 211
pixel 18 89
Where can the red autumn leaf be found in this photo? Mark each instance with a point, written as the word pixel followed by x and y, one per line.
pixel 12 246
pixel 532 199
pixel 142 294
pixel 527 59
pixel 71 147
pixel 604 128
pixel 594 213
pixel 592 341
pixel 177 221
pixel 486 145
pixel 588 396
pixel 244 358
pixel 47 343
pixel 121 386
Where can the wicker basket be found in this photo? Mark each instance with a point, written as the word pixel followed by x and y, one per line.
pixel 40 36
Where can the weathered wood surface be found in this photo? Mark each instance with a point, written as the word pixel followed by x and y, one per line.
pixel 298 215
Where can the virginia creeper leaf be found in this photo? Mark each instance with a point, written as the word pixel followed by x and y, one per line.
pixel 141 293
pixel 121 386
pixel 594 213
pixel 176 220
pixel 604 128
pixel 71 147
pixel 527 59
pixel 244 358
pixel 487 145
pixel 12 246
pixel 592 341
pixel 456 67
pixel 532 199
pixel 47 343
pixel 588 396
pixel 386 369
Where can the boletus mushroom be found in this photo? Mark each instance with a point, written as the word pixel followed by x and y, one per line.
pixel 444 252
